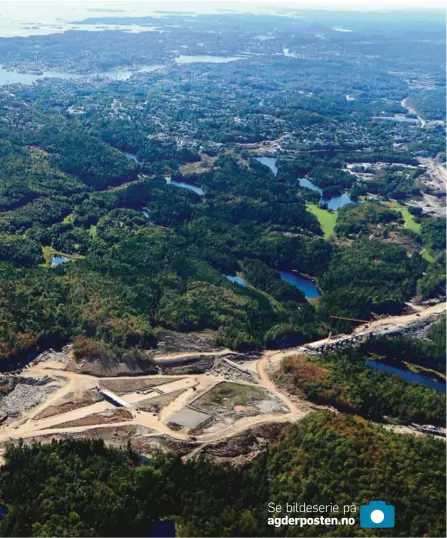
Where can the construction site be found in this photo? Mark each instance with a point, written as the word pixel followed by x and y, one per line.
pixel 217 401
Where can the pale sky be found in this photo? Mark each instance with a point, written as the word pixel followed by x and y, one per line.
pixel 206 5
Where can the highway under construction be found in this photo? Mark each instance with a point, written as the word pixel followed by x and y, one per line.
pixel 196 409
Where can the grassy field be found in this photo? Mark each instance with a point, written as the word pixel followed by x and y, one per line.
pixel 410 223
pixel 427 256
pixel 327 219
pixel 198 167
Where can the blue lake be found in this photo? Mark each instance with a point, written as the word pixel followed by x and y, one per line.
pixel 270 162
pixel 237 280
pixel 333 203
pixel 306 285
pixel 57 260
pixel 194 188
pixel 408 375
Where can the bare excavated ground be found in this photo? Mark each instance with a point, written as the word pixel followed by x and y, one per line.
pixel 26 393
pixel 121 386
pixel 108 416
pixel 228 402
pixel 246 445
pixel 156 403
pixel 72 401
pixel 223 404
pixel 112 435
pixel 109 367
pixel 156 412
pixel 171 342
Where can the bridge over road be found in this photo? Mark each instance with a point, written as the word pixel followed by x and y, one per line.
pixel 114 398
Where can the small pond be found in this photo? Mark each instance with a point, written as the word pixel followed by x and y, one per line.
pixel 57 260
pixel 237 280
pixel 408 375
pixel 145 212
pixel 163 528
pixel 194 188
pixel 270 162
pixel 334 203
pixel 303 283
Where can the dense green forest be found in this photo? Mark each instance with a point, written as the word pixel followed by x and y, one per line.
pixel 430 104
pixel 82 488
pixel 164 267
pixel 86 164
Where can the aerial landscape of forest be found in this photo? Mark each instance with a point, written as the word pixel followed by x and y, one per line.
pixel 222 270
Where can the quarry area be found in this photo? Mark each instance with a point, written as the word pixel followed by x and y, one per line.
pixel 215 402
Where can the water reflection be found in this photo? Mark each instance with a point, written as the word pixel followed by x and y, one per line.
pixel 194 188
pixel 303 283
pixel 14 77
pixel 334 203
pixel 237 280
pixel 57 260
pixel 408 375
pixel 270 162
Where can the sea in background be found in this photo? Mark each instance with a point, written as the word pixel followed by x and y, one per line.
pixel 12 77
pixel 22 19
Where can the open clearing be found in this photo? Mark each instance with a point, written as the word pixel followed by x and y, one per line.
pixel 327 219
pixel 410 223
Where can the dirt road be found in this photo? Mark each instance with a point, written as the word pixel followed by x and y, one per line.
pixel 184 388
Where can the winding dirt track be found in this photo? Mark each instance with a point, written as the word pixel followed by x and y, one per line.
pixel 189 388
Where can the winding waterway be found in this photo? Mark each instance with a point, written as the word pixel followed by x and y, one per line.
pixel 334 203
pixel 408 375
pixel 194 188
pixel 237 280
pixel 303 283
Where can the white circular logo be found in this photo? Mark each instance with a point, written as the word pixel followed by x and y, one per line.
pixel 377 516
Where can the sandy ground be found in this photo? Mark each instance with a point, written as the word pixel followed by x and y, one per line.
pixel 187 389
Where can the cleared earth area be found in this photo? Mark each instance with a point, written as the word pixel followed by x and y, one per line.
pixel 186 413
pixel 169 412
